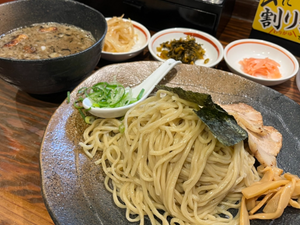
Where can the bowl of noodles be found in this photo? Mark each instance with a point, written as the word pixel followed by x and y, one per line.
pixel 162 164
pixel 187 45
pixel 124 40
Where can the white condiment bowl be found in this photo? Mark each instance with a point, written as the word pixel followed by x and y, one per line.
pixel 142 39
pixel 247 48
pixel 214 49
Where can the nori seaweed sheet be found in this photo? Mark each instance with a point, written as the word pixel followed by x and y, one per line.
pixel 223 126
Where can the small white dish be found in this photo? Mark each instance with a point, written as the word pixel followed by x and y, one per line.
pixel 214 49
pixel 142 40
pixel 247 48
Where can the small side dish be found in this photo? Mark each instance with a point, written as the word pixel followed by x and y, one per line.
pixel 125 39
pixel 265 68
pixel 208 48
pixel 120 35
pixel 44 40
pixel 187 50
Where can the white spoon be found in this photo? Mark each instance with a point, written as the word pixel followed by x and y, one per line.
pixel 148 84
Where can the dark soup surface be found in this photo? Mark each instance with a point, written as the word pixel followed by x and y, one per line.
pixel 44 40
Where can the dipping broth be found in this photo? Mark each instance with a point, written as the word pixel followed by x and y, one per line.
pixel 44 40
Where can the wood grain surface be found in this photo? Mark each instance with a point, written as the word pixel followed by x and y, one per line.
pixel 23 119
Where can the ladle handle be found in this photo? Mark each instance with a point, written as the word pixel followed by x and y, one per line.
pixel 151 81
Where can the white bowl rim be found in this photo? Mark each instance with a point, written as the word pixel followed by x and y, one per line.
pixel 270 44
pixel 207 37
pixel 136 25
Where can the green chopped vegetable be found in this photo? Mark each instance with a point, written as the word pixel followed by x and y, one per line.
pixel 223 126
pixel 81 113
pixel 105 95
pixel 68 97
pixel 122 128
pixel 110 95
pixel 186 50
pixel 89 119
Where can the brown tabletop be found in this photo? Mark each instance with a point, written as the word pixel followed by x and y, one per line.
pixel 23 119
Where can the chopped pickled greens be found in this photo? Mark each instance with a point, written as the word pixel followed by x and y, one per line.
pixel 223 126
pixel 186 50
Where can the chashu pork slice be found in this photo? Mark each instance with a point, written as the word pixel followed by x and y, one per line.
pixel 264 142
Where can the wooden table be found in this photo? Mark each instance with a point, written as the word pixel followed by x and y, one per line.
pixel 23 119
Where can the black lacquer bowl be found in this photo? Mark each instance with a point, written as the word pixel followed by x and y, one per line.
pixel 48 76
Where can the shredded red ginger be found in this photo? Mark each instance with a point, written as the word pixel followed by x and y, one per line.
pixel 266 67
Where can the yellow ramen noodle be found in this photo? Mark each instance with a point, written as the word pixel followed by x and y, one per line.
pixel 167 165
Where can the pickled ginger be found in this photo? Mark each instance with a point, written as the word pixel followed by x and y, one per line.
pixel 266 68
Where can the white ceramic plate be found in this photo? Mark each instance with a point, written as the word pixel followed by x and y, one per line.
pixel 213 48
pixel 142 39
pixel 246 48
